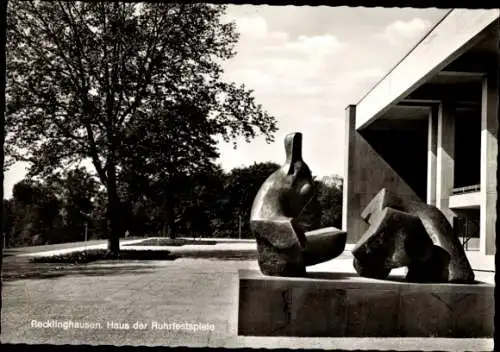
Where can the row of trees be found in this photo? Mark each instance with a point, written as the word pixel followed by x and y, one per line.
pixel 69 207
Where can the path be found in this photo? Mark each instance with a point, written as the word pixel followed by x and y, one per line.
pixel 185 289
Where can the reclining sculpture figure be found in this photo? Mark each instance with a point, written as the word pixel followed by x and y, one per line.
pixel 284 248
pixel 413 234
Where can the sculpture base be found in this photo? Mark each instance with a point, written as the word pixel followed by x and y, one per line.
pixel 346 305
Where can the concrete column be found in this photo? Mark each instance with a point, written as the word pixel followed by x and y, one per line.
pixel 350 123
pixel 445 158
pixel 432 156
pixel 489 151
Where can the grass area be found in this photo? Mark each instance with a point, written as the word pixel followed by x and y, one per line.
pixel 247 254
pixel 172 242
pixel 91 255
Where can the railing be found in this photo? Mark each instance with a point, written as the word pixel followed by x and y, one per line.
pixel 465 242
pixel 466 189
pixel 467 236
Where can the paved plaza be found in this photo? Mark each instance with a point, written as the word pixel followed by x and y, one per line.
pixel 110 295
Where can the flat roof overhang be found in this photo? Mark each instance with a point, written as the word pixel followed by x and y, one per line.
pixel 454 35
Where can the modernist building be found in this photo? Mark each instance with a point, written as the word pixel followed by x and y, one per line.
pixel 428 129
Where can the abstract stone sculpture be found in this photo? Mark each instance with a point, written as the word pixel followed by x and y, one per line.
pixel 411 234
pixel 284 248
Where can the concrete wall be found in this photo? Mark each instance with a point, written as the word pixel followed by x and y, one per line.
pixel 465 200
pixel 431 156
pixel 367 172
pixel 445 158
pixel 404 148
pixel 467 149
pixel 489 155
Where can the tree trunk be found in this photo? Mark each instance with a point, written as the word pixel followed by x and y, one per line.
pixel 115 230
pixel 169 228
pixel 171 232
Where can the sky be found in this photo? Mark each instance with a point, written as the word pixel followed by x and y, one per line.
pixel 305 66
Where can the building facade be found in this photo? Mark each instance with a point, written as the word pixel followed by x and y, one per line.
pixel 428 130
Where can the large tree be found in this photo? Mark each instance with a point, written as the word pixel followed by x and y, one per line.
pixel 135 88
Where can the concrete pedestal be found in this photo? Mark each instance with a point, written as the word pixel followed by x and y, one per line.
pixel 346 305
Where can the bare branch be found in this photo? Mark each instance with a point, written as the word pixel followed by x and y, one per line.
pixel 80 50
pixel 64 130
pixel 145 72
pixel 47 30
pixel 94 154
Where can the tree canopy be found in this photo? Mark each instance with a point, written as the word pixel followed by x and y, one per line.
pixel 135 88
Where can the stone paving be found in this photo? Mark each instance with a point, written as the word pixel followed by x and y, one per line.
pixel 177 291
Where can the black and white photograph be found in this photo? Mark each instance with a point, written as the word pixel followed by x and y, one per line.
pixel 250 176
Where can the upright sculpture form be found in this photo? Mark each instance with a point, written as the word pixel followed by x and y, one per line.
pixel 284 249
pixel 412 234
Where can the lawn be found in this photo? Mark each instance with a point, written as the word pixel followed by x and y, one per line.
pixel 92 255
pixel 173 242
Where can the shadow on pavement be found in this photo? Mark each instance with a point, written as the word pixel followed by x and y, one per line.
pixel 51 271
pixel 391 278
pixel 340 276
pixel 235 240
pixel 93 263
pixel 10 252
pixel 226 254
pixel 329 275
